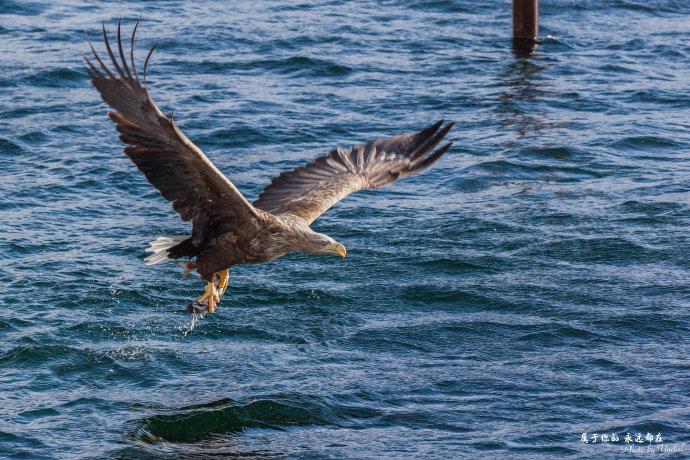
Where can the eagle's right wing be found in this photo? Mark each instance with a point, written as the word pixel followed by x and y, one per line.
pixel 169 160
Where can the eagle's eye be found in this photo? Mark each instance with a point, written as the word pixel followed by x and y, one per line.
pixel 325 243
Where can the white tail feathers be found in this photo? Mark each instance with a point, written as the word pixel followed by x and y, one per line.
pixel 160 248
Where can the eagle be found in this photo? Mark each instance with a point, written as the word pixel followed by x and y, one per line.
pixel 226 228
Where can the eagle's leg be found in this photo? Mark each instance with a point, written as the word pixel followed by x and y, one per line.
pixel 223 280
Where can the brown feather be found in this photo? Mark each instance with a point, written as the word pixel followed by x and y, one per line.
pixel 308 191
pixel 168 159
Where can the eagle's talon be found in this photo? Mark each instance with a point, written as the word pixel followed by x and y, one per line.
pixel 210 296
pixel 211 305
pixel 223 280
pixel 212 292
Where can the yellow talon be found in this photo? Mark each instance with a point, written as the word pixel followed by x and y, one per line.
pixel 211 295
pixel 215 289
pixel 223 280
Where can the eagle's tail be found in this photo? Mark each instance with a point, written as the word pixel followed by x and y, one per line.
pixel 161 246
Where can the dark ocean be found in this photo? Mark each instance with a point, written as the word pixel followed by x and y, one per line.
pixel 531 287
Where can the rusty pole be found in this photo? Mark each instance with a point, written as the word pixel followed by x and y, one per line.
pixel 525 25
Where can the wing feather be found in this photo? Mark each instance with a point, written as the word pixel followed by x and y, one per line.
pixel 309 191
pixel 162 152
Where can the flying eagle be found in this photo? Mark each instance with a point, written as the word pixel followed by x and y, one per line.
pixel 226 228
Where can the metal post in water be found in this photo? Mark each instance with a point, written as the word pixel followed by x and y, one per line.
pixel 525 26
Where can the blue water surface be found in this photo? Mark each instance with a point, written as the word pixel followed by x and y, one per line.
pixel 531 287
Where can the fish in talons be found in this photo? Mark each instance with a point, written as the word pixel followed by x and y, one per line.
pixel 213 292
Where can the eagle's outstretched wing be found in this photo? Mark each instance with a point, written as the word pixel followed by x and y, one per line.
pixel 169 160
pixel 308 191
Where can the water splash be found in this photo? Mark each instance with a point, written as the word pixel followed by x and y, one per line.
pixel 186 328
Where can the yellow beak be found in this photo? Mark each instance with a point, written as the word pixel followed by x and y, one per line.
pixel 339 249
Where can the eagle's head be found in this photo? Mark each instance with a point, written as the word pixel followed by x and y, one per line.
pixel 318 243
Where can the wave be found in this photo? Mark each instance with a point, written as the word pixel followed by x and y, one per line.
pixel 200 421
pixel 58 78
pixel 295 66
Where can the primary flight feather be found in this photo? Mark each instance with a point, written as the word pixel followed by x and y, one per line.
pixel 226 228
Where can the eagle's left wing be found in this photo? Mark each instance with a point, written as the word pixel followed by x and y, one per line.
pixel 309 191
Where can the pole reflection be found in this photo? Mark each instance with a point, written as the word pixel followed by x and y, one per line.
pixel 521 89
